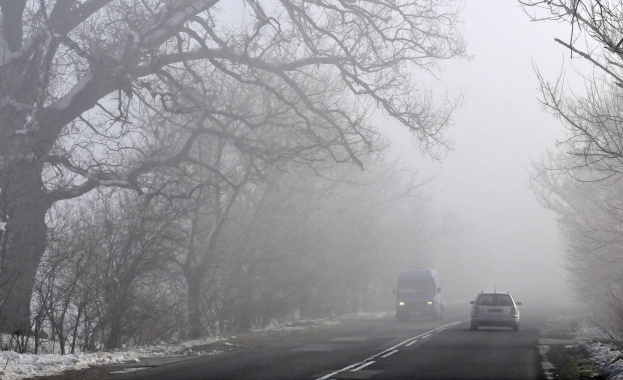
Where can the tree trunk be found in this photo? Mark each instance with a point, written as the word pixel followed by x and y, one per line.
pixel 23 207
pixel 114 337
pixel 117 312
pixel 193 305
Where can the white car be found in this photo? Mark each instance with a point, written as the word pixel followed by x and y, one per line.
pixel 495 309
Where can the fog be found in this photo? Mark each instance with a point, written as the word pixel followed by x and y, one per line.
pixel 245 175
pixel 492 231
pixel 508 240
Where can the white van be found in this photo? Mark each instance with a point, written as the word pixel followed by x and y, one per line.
pixel 418 293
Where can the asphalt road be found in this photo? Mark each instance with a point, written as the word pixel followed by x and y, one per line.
pixel 377 349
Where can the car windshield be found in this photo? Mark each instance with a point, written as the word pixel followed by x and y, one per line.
pixel 494 300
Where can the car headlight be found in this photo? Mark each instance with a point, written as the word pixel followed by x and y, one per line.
pixel 401 303
pixel 429 303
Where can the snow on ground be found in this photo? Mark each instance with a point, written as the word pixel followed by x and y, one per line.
pixel 608 359
pixel 14 366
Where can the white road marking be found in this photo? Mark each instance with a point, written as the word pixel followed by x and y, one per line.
pixel 364 365
pixel 368 361
pixel 408 344
pixel 129 370
pixel 389 353
pixel 426 336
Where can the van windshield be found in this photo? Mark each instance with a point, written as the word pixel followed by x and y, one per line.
pixel 416 285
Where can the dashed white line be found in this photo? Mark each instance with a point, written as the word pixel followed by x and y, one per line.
pixel 390 353
pixel 368 361
pixel 364 365
pixel 408 344
pixel 129 370
pixel 338 371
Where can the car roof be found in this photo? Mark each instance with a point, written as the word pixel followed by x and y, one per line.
pixel 494 293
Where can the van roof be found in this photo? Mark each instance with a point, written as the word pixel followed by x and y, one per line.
pixel 419 273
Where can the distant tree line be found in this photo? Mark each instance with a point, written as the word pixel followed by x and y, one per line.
pixel 581 179
pixel 301 246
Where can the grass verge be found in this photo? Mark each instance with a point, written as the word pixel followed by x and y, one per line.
pixel 571 362
pixel 564 357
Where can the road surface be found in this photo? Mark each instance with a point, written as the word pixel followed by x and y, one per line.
pixel 375 349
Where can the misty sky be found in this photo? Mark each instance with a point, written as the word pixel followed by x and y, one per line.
pixel 509 240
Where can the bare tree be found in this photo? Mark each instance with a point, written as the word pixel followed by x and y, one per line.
pixel 593 119
pixel 590 219
pixel 132 259
pixel 108 279
pixel 207 219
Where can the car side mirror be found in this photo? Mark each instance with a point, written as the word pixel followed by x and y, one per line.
pixel 439 289
pixel 472 302
pixel 518 303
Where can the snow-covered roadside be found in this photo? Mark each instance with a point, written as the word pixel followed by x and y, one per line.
pixel 608 359
pixel 15 366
